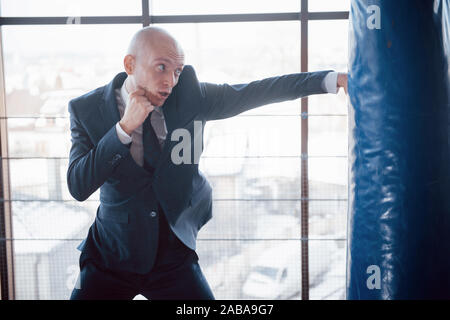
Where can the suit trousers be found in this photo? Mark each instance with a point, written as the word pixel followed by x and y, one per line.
pixel 176 275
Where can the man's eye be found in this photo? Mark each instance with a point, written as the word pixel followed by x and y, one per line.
pixel 162 67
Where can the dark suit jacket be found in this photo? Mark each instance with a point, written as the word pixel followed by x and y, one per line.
pixel 124 234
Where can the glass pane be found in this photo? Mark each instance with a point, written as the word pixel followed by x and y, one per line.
pixel 178 7
pixel 253 178
pixel 328 46
pixel 328 5
pixel 45 269
pixel 327 267
pixel 328 136
pixel 252 50
pixel 46 66
pixel 251 160
pixel 262 136
pixel 328 220
pixel 328 49
pixel 40 179
pixel 328 178
pixel 53 220
pixel 39 137
pixel 229 267
pixel 244 219
pixel 328 103
pixel 49 8
pixel 46 236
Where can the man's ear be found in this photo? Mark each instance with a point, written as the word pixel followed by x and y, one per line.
pixel 129 63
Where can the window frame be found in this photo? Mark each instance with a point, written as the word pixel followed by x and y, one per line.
pixel 7 290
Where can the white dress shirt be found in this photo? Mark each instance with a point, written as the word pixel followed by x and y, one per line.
pixel 329 84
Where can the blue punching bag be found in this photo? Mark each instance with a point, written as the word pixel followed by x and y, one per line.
pixel 399 187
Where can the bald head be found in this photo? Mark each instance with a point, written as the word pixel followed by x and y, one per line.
pixel 148 38
pixel 154 62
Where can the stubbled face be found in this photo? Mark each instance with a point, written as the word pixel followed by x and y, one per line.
pixel 157 69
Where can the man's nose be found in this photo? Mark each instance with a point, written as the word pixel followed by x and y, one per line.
pixel 170 80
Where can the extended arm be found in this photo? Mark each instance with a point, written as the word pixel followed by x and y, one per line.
pixel 223 100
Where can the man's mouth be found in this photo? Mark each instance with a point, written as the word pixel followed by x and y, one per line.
pixel 164 94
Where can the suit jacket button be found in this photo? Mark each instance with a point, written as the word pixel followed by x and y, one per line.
pixel 115 158
pixel 153 214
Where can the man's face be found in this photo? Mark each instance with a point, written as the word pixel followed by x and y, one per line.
pixel 158 68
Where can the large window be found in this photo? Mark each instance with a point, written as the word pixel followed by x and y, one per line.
pixel 56 50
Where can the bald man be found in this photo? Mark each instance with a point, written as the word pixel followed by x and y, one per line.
pixel 124 134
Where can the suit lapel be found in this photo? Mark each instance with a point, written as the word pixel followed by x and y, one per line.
pixel 110 114
pixel 109 109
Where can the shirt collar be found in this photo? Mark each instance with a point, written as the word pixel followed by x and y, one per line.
pixel 124 94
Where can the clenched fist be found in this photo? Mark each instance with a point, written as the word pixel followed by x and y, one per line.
pixel 136 112
pixel 342 80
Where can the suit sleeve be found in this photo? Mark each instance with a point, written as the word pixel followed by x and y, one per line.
pixel 221 101
pixel 90 165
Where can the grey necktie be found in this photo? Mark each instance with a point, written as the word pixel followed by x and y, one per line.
pixel 151 142
pixel 157 121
